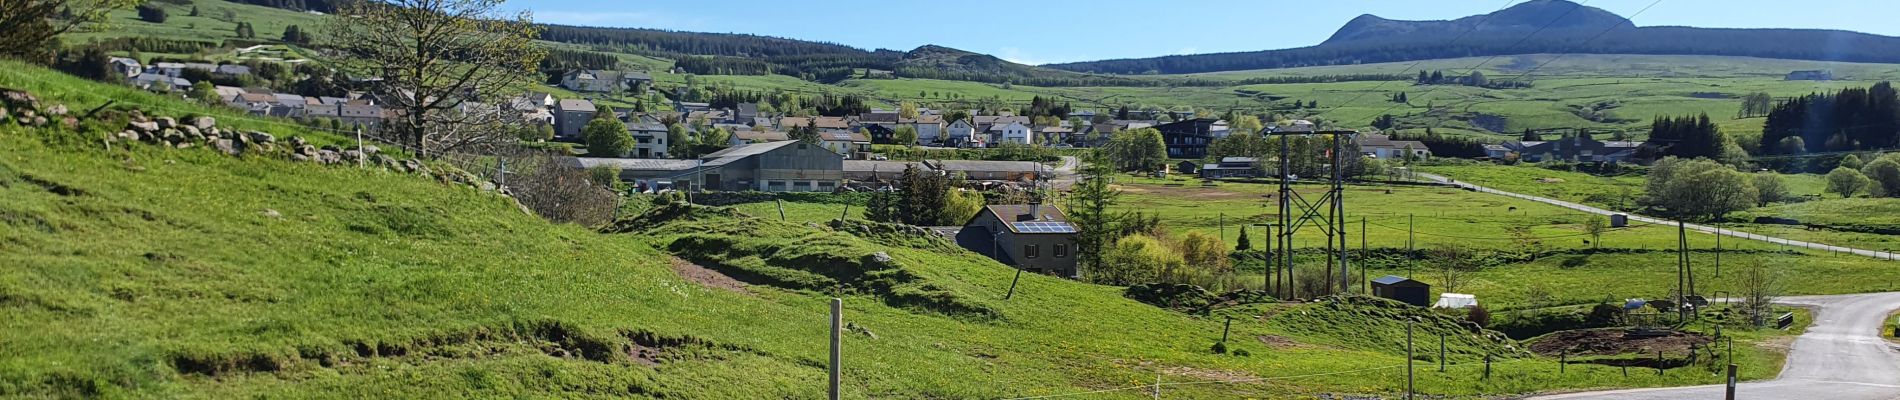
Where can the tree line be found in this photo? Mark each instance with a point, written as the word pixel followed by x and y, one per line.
pixel 1846 120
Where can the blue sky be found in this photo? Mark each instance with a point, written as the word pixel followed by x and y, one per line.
pixel 1037 32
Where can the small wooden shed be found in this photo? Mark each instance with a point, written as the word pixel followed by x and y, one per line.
pixel 1404 290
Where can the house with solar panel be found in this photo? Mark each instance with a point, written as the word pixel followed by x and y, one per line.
pixel 1034 237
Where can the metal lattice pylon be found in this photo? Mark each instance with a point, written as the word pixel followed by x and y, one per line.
pixel 1327 213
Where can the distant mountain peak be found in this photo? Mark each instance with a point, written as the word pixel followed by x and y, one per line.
pixel 1526 17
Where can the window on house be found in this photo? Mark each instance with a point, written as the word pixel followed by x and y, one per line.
pixel 1062 250
pixel 774 186
pixel 826 186
pixel 1030 250
pixel 801 186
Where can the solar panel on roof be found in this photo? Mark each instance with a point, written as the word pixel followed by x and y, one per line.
pixel 1044 227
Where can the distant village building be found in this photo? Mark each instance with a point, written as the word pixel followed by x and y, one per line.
pixel 1032 237
pixel 1232 167
pixel 572 114
pixel 787 166
pixel 1579 148
pixel 649 137
pixel 1811 75
pixel 846 143
pixel 589 80
pixel 1188 138
pixel 126 66
pixel 1384 148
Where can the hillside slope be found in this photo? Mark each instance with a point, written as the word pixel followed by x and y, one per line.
pixel 145 271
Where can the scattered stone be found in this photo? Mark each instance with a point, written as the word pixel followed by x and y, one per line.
pixel 352 156
pixel 485 186
pixel 174 137
pixel 226 146
pixel 191 132
pixel 3 114
pixel 204 122
pixel 19 99
pixel 142 127
pixel 39 121
pixel 299 157
pixel 166 122
pixel 69 122
pixel 328 157
pixel 297 141
pixel 414 166
pixel 262 138
pixel 385 161
pixel 28 114
pixel 57 110
pixel 137 116
pixel 269 213
pixel 368 149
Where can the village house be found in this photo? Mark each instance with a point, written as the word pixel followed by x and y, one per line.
pixel 1013 132
pixel 1578 148
pixel 1033 237
pixel 1188 138
pixel 362 113
pixel 929 127
pixel 649 136
pixel 757 136
pixel 159 83
pixel 588 80
pixel 1384 148
pixel 788 123
pixel 961 134
pixel 847 143
pixel 126 66
pixel 570 115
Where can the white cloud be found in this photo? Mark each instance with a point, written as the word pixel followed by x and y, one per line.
pixel 1016 55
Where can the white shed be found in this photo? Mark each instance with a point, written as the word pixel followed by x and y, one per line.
pixel 1456 300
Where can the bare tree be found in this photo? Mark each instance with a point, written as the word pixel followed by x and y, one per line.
pixel 1454 261
pixel 559 190
pixel 1759 286
pixel 31 25
pixel 443 65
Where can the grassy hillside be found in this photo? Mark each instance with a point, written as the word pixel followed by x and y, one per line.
pixel 216 22
pixel 143 271
pixel 1633 262
pixel 1849 222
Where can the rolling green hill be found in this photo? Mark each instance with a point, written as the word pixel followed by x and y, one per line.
pixel 143 271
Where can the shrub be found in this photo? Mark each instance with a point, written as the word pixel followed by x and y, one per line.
pixel 151 13
pixel 1478 315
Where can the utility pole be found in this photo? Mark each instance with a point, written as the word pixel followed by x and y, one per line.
pixel 1222 218
pixel 1682 259
pixel 1408 359
pixel 1718 247
pixel 360 155
pixel 1411 255
pixel 837 326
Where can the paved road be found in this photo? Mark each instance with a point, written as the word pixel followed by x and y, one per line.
pixel 1841 356
pixel 1702 228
